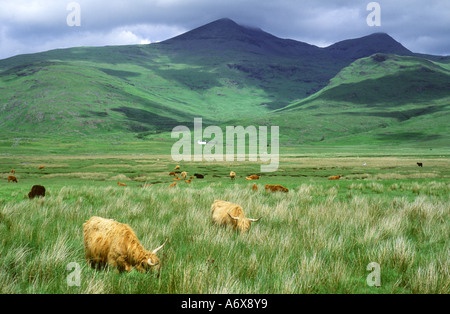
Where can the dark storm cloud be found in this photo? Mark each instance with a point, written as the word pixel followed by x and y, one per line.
pixel 37 25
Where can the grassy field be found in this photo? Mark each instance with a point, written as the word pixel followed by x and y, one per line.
pixel 318 238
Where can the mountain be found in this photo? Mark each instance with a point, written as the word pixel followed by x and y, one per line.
pixel 221 71
pixel 384 99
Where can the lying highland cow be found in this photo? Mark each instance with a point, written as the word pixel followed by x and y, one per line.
pixel 108 242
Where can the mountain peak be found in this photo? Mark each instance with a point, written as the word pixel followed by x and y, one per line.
pixel 368 45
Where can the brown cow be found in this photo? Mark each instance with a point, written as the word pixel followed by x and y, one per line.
pixel 36 191
pixel 121 184
pixel 13 171
pixel 232 175
pixel 275 188
pixel 172 174
pixel 108 242
pixel 12 178
pixel 254 187
pixel 334 177
pixel 172 185
pixel 252 177
pixel 187 181
pixel 177 167
pixel 41 167
pixel 225 213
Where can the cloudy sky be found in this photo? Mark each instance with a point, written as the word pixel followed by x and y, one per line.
pixel 28 26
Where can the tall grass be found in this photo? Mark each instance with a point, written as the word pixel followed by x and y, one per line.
pixel 314 239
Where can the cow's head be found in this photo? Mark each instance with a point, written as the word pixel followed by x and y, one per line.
pixel 243 223
pixel 150 261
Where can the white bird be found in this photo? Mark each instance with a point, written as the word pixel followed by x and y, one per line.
pixel 201 142
pixel 365 164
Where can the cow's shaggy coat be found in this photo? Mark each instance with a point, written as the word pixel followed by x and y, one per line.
pixel 108 242
pixel 225 213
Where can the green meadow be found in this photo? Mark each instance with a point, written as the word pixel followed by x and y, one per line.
pixel 317 238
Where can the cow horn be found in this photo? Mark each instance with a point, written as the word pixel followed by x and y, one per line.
pixel 159 248
pixel 235 218
pixel 149 261
pixel 254 220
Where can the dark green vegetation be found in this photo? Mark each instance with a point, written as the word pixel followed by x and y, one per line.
pixel 229 74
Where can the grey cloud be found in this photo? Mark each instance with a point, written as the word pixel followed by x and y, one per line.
pixel 422 26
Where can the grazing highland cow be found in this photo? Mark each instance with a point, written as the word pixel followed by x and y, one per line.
pixel 108 242
pixel 225 213
pixel 177 167
pixel 172 185
pixel 334 177
pixel 252 177
pixel 36 191
pixel 121 184
pixel 232 175
pixel 276 188
pixel 12 178
pixel 41 167
pixel 13 171
pixel 184 175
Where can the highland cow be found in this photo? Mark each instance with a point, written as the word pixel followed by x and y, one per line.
pixel 36 191
pixel 232 175
pixel 12 178
pixel 225 213
pixel 255 188
pixel 334 177
pixel 275 188
pixel 108 242
pixel 252 177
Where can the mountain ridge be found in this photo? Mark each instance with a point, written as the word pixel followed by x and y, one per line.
pixel 220 71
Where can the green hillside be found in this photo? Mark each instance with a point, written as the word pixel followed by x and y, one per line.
pixel 227 74
pixel 382 99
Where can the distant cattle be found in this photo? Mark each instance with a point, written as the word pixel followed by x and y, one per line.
pixel 121 184
pixel 232 175
pixel 172 185
pixel 228 214
pixel 108 242
pixel 191 177
pixel 184 174
pixel 36 191
pixel 13 171
pixel 252 177
pixel 420 164
pixel 172 174
pixel 177 167
pixel 199 176
pixel 254 187
pixel 41 167
pixel 334 177
pixel 12 178
pixel 187 181
pixel 275 188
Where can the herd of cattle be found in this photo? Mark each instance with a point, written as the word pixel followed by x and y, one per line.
pixel 110 243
